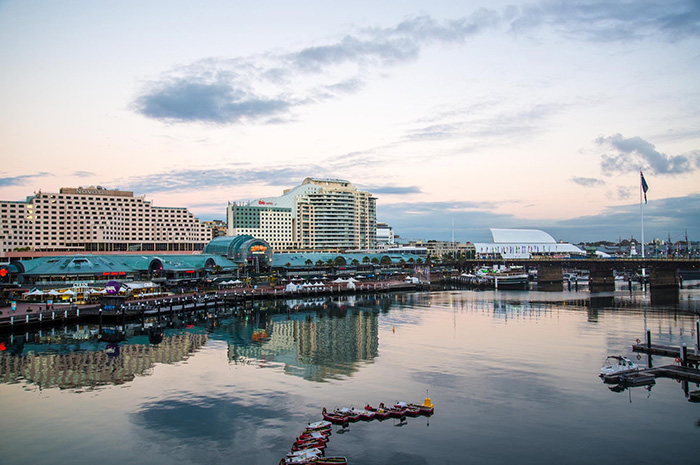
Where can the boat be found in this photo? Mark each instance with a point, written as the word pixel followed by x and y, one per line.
pixel 380 413
pixel 330 461
pixel 395 412
pixel 409 409
pixel 335 418
pixel 304 442
pixel 311 435
pixel 501 277
pixel 617 365
pixel 299 446
pixel 352 414
pixel 319 425
pixel 301 457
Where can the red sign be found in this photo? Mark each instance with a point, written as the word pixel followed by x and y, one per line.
pixel 3 272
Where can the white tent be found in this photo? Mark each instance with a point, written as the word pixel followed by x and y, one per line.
pixel 68 292
pixel 35 292
pixel 53 292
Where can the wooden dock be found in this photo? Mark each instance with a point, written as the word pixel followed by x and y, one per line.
pixel 646 376
pixel 666 351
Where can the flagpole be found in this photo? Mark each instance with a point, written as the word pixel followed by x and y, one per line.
pixel 641 209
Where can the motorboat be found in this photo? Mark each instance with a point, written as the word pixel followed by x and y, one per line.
pixel 380 413
pixel 617 365
pixel 319 426
pixel 301 456
pixel 513 277
pixel 352 414
pixel 330 461
pixel 408 409
pixel 334 417
pixel 314 435
pixel 423 409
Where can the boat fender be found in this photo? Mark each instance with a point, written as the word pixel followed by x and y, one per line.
pixel 678 360
pixel 638 340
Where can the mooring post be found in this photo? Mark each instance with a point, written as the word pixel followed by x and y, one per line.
pixel 684 355
pixel 648 339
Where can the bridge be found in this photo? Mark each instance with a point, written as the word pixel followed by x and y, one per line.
pixel 661 273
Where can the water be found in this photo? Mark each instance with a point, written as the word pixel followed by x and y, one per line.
pixel 513 376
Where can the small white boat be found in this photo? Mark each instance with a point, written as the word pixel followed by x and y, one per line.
pixel 617 364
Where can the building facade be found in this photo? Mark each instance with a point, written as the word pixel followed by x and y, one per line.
pixel 96 219
pixel 525 243
pixel 318 215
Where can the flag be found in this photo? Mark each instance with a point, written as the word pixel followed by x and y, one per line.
pixel 645 186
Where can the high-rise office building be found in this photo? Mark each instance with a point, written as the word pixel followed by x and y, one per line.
pixel 318 215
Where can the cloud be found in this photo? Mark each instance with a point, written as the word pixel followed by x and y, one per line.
pixel 189 98
pixel 269 87
pixel 83 174
pixel 392 190
pixel 605 21
pixel 433 220
pixel 661 217
pixel 587 182
pixel 631 154
pixel 20 180
pixel 190 180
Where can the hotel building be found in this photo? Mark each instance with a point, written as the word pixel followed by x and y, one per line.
pixel 318 215
pixel 96 219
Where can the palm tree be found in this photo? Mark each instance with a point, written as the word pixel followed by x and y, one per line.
pixel 375 260
pixel 319 262
pixel 357 262
pixel 308 262
pixel 365 259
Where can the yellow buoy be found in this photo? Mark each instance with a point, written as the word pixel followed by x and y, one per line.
pixel 393 329
pixel 427 402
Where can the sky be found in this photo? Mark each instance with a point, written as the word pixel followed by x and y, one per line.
pixel 457 115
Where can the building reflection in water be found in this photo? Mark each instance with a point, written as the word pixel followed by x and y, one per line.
pixel 316 340
pixel 100 364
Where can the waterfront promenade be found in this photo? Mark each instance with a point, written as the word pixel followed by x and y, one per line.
pixel 37 313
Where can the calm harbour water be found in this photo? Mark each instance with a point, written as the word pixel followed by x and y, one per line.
pixel 512 374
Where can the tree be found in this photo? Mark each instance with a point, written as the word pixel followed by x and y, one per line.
pixel 385 260
pixel 419 261
pixel 308 262
pixel 329 262
pixel 365 259
pixel 375 260
pixel 319 262
pixel 356 261
pixel 289 264
pixel 411 260
pixel 339 261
